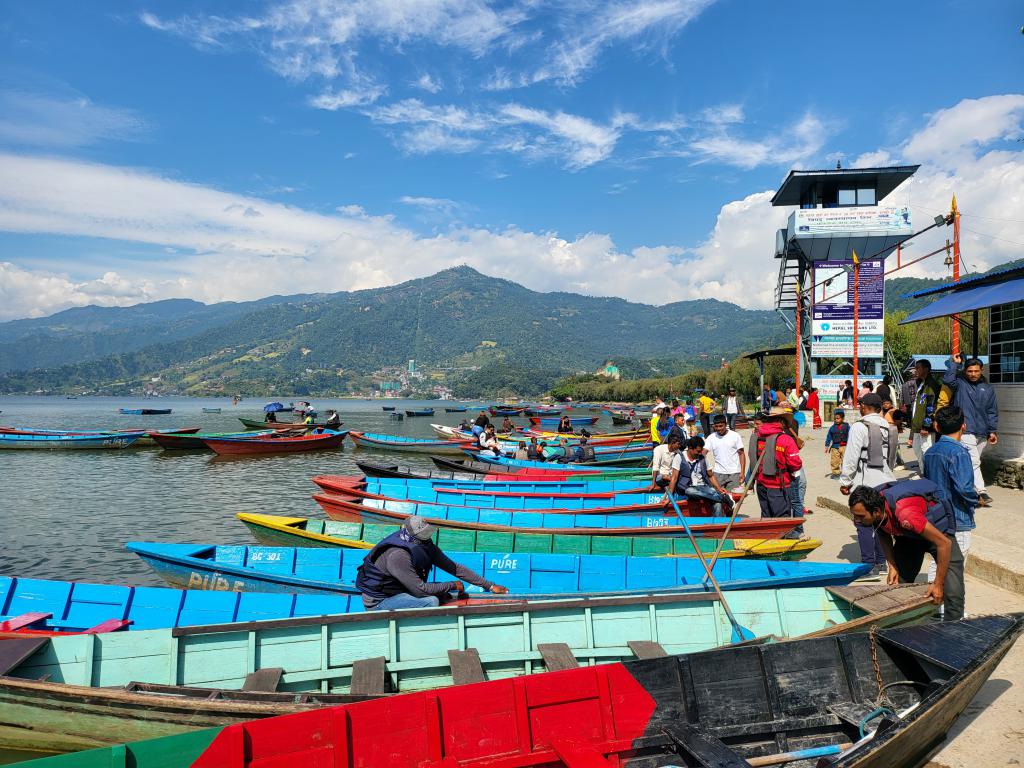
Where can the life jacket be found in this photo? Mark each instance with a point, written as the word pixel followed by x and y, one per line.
pixel 939 513
pixel 687 469
pixel 770 465
pixel 532 452
pixel 378 584
pixel 585 453
pixel 880 451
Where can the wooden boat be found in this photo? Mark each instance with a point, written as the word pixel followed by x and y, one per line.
pixel 420 412
pixel 159 682
pixel 396 416
pixel 275 443
pixel 404 444
pixel 580 471
pixel 543 412
pixel 257 424
pixel 107 440
pixel 144 411
pixel 183 441
pixel 211 410
pixel 528 496
pixel 554 421
pixel 35 607
pixel 497 410
pixel 388 408
pixel 553 522
pixel 530 576
pixel 608 460
pixel 451 433
pixel 455 409
pixel 492 472
pixel 805 702
pixel 274 530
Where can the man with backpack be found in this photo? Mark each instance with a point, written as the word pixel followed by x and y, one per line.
pixel 871 451
pixel 911 518
pixel 779 467
pixel 974 396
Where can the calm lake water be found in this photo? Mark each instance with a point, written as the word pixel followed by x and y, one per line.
pixel 67 514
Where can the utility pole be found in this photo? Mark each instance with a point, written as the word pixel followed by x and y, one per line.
pixel 956 271
pixel 856 322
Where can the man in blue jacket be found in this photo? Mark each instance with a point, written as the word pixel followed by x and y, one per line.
pixel 948 465
pixel 976 398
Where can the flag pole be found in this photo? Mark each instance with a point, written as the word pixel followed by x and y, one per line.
pixel 856 321
pixel 956 273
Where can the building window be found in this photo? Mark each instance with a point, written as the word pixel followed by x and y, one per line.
pixel 846 197
pixel 866 196
pixel 1006 344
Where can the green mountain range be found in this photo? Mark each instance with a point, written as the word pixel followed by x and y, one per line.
pixel 458 322
pixel 472 332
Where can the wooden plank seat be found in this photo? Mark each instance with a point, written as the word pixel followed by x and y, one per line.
pixel 266 679
pixel 646 649
pixel 23 621
pixel 466 667
pixel 15 650
pixel 369 677
pixel 557 656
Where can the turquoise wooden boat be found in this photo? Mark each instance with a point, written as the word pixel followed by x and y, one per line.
pixel 606 460
pixel 37 442
pixel 506 485
pixel 338 507
pixel 382 442
pixel 531 576
pixel 81 692
pixel 40 606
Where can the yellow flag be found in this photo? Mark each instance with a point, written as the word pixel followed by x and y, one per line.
pixel 856 260
pixel 955 211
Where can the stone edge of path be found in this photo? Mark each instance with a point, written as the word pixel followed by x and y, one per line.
pixel 992 569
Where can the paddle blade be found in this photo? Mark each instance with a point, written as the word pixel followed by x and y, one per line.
pixel 741 634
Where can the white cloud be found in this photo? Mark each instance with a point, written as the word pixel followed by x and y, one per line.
pixel 217 234
pixel 427 83
pixel 794 144
pixel 38 120
pixel 440 203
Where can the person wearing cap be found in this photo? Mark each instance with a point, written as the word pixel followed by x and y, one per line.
pixel 394 573
pixel 871 451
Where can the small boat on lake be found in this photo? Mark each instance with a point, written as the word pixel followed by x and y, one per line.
pixel 211 410
pixel 455 409
pixel 554 421
pixel 561 522
pixel 527 576
pixel 275 443
pixel 258 424
pixel 810 699
pixel 400 443
pixel 159 682
pixel 388 408
pixel 144 411
pixel 575 471
pixel 96 441
pixel 420 412
pixel 274 530
pixel 497 410
pixel 43 608
pixel 187 441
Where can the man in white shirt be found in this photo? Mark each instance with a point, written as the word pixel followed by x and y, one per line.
pixel 664 456
pixel 732 405
pixel 726 448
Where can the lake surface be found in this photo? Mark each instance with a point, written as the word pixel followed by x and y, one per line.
pixel 67 514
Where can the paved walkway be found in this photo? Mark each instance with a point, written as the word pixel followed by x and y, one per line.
pixel 991 732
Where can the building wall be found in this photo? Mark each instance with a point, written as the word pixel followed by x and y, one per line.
pixel 1011 422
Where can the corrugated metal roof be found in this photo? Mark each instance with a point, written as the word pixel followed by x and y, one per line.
pixel 980 296
pixel 886 180
pixel 996 277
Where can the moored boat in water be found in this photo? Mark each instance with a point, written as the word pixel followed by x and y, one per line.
pixel 275 530
pixel 404 444
pixel 144 411
pixel 721 707
pixel 527 576
pixel 275 443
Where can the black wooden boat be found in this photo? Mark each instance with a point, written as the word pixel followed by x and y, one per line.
pixel 387 408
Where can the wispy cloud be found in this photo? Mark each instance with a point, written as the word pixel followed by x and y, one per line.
pixel 428 83
pixel 42 120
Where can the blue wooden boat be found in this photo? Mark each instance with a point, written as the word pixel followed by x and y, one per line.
pixel 211 410
pixel 144 411
pixel 509 485
pixel 455 409
pixel 39 442
pixel 629 459
pixel 393 512
pixel 498 410
pixel 160 682
pixel 503 495
pixel 379 441
pixel 388 408
pixel 532 576
pixel 38 606
pixel 420 412
pixel 554 421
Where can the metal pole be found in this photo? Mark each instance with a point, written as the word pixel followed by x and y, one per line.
pixel 799 341
pixel 856 323
pixel 956 273
pixel 974 341
pixel 899 254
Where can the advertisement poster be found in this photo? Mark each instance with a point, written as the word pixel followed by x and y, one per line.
pixel 832 313
pixel 822 221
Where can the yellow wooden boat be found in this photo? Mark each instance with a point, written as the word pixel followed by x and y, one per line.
pixel 276 530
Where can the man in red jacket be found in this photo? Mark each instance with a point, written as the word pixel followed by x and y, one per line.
pixel 779 468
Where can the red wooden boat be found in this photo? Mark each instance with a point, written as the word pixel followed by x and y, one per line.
pixel 346 510
pixel 773 704
pixel 273 443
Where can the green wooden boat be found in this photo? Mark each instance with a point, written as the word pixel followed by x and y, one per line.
pixel 275 530
pixel 83 691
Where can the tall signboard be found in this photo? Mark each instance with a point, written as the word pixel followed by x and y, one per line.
pixel 832 312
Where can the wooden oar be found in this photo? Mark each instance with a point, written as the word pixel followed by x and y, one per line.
pixel 800 754
pixel 739 632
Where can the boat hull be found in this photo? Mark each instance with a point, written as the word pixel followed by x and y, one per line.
pixel 448 448
pixel 258 446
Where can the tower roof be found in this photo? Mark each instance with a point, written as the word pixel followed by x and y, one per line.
pixel 885 180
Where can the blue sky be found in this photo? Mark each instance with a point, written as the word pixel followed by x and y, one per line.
pixel 606 148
